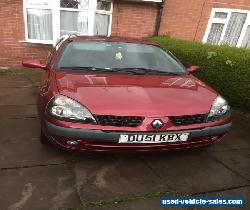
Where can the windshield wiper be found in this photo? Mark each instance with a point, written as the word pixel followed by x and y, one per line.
pixel 95 69
pixel 88 69
pixel 137 71
pixel 144 71
pixel 91 68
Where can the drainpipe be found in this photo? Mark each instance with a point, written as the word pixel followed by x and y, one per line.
pixel 159 17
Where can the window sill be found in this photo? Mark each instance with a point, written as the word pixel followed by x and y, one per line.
pixel 37 42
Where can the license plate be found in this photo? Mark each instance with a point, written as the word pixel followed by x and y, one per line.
pixel 153 138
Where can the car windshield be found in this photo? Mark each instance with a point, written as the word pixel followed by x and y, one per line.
pixel 118 57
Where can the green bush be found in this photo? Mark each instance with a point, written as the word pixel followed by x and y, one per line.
pixel 226 69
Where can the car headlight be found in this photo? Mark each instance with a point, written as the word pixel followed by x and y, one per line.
pixel 219 110
pixel 66 108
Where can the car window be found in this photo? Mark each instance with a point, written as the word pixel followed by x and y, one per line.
pixel 118 55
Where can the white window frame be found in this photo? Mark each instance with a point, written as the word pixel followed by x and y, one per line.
pixel 45 7
pixel 55 7
pixel 104 12
pixel 212 20
pixel 73 10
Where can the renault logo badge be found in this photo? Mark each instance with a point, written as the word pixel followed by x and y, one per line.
pixel 157 124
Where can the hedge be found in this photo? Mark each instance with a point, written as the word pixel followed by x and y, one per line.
pixel 226 69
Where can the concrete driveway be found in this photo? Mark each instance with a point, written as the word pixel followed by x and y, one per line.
pixel 34 176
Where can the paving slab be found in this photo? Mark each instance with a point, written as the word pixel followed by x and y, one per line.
pixel 112 177
pixel 18 81
pixel 237 160
pixel 18 96
pixel 17 111
pixel 39 188
pixel 193 172
pixel 35 77
pixel 154 203
pixel 26 128
pixel 30 152
pixel 240 192
pixel 20 146
pixel 147 204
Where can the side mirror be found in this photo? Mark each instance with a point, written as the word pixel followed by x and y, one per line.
pixel 193 69
pixel 33 64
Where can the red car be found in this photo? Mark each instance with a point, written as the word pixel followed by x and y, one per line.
pixel 105 94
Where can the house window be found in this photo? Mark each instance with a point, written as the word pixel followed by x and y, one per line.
pixel 39 26
pixel 47 20
pixel 103 17
pixel 222 15
pixel 228 27
pixel 39 20
pixel 73 17
pixel 246 39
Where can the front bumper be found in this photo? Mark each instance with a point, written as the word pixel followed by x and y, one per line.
pixel 100 140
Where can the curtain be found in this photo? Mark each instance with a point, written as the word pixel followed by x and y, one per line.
pixel 215 33
pixel 221 15
pixel 39 24
pixel 246 39
pixel 103 5
pixel 73 22
pixel 234 28
pixel 101 24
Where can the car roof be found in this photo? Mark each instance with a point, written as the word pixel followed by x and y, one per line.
pixel 113 39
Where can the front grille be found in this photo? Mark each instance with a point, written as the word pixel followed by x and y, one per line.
pixel 188 119
pixel 119 121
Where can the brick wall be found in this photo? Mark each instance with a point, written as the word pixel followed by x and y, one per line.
pixel 12 51
pixel 133 19
pixel 188 19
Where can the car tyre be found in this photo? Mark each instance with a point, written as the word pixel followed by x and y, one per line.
pixel 43 138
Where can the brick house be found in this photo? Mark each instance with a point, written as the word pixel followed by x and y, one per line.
pixel 30 27
pixel 209 21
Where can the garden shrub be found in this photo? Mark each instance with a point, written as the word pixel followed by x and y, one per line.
pixel 226 69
